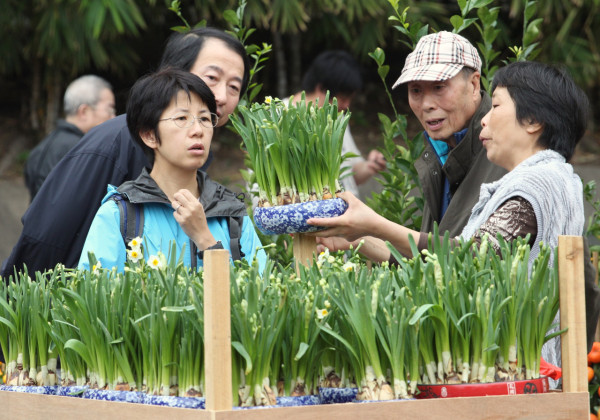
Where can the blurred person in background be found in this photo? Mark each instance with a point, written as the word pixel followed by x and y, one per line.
pixel 338 72
pixel 88 101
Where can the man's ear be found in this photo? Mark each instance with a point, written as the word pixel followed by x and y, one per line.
pixel 83 109
pixel 149 138
pixel 475 82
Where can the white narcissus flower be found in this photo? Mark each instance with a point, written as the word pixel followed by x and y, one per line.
pixel 322 257
pixel 349 266
pixel 155 262
pixel 322 313
pixel 135 243
pixel 134 254
pixel 96 268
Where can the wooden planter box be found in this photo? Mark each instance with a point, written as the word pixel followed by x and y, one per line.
pixel 572 403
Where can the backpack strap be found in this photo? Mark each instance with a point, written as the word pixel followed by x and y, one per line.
pixel 235 235
pixel 193 255
pixel 131 218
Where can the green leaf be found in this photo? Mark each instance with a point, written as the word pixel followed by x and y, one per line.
pixel 301 351
pixel 383 71
pixel 456 22
pixel 530 10
pixel 80 349
pixel 419 313
pixel 231 17
pixel 481 3
pixel 239 347
pixel 177 308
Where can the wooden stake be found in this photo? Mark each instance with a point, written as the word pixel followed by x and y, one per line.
pixel 305 248
pixel 572 313
pixel 217 331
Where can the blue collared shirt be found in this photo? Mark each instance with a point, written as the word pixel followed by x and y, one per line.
pixel 442 149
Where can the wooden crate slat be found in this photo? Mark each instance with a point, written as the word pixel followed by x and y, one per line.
pixel 550 406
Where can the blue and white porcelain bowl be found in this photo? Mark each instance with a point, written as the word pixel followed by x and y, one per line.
pixel 292 218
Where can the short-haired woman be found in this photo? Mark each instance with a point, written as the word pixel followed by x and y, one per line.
pixel 172 114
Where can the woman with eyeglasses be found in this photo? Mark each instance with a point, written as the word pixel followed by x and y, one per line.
pixel 171 114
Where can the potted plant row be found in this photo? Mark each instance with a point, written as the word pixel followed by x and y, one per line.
pixel 460 315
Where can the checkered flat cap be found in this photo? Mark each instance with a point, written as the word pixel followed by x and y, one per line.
pixel 439 57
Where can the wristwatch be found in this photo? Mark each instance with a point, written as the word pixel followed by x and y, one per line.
pixel 218 245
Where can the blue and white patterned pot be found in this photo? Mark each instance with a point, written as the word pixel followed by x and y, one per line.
pixel 172 401
pixel 46 390
pixel 298 401
pixel 71 391
pixel 292 218
pixel 112 395
pixel 337 395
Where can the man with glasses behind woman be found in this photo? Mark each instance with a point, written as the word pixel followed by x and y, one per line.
pixel 171 114
pixel 57 221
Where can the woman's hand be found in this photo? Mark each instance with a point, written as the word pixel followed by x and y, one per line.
pixel 359 220
pixel 334 243
pixel 189 213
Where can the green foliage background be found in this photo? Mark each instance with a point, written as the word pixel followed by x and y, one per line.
pixel 46 43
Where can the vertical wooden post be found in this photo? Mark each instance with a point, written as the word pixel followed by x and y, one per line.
pixel 572 313
pixel 217 331
pixel 305 248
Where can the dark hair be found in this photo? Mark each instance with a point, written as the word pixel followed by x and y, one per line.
pixel 547 95
pixel 335 71
pixel 182 50
pixel 152 94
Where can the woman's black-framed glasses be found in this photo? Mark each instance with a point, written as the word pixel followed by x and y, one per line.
pixel 186 119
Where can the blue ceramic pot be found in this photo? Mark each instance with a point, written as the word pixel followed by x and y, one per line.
pixel 71 391
pixel 111 395
pixel 46 390
pixel 337 395
pixel 172 401
pixel 292 218
pixel 297 401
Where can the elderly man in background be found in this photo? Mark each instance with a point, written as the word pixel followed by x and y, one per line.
pixel 88 101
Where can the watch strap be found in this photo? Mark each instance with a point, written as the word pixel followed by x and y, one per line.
pixel 218 245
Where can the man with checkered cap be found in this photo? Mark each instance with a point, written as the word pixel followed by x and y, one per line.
pixel 442 76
